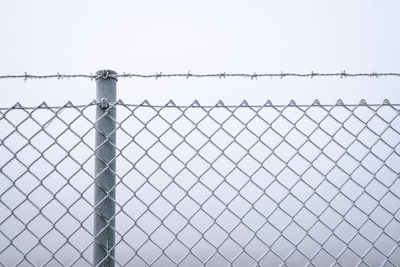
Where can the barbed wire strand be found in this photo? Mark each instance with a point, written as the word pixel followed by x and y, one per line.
pixel 158 75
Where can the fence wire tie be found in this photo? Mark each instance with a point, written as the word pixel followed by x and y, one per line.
pixel 244 103
pixel 104 103
pixel 339 102
pixel 120 102
pixel 220 103
pixel 145 103
pixel 171 103
pixel 268 103
pixel 104 75
pixel 196 103
pixel 316 103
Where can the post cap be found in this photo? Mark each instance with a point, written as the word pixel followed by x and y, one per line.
pixel 105 74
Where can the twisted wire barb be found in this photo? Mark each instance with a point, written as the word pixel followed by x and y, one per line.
pixel 157 75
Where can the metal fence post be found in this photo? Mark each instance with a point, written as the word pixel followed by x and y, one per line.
pixel 104 186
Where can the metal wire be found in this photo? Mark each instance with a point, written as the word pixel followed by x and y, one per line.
pixel 293 185
pixel 195 103
pixel 158 75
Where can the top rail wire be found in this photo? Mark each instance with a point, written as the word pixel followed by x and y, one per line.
pixel 196 104
pixel 157 75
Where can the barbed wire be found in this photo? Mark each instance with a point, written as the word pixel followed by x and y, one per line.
pixel 107 74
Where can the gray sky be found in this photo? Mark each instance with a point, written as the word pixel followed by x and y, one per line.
pixel 42 37
pixel 48 36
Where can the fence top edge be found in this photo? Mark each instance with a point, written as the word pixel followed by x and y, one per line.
pixel 104 74
pixel 196 104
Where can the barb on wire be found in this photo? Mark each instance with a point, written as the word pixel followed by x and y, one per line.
pixel 158 75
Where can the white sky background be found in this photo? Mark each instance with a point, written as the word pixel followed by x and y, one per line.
pixel 46 37
pixel 208 36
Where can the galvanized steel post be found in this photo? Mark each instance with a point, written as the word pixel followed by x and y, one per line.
pixel 104 186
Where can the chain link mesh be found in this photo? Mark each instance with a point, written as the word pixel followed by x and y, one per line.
pixel 205 185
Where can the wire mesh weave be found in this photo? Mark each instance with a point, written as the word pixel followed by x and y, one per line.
pixel 205 185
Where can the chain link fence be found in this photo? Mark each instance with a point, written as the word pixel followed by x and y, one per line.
pixel 202 185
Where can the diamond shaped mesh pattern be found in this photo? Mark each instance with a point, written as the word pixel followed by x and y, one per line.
pixel 205 185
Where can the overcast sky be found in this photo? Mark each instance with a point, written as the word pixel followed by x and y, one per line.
pixel 47 36
pixel 209 36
